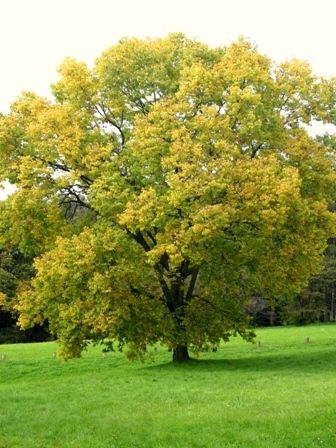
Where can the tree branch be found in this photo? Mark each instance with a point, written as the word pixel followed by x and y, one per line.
pixel 71 192
pixel 112 121
pixel 192 284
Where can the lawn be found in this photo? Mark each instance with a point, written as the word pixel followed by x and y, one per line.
pixel 278 394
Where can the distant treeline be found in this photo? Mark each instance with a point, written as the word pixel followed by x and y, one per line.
pixel 15 268
pixel 316 303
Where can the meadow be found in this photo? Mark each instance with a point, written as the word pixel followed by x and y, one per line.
pixel 278 394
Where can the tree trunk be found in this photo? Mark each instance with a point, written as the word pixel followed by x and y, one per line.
pixel 326 306
pixel 180 353
pixel 332 304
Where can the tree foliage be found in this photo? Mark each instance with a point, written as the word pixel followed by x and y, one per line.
pixel 15 268
pixel 161 189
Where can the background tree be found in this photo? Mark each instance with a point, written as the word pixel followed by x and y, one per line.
pixel 161 190
pixel 317 302
pixel 16 268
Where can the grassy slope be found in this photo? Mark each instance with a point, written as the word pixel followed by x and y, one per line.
pixel 281 394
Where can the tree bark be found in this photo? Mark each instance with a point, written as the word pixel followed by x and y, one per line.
pixel 180 353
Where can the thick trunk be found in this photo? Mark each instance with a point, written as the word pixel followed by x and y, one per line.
pixel 178 287
pixel 180 353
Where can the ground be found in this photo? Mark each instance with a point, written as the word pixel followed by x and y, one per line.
pixel 278 394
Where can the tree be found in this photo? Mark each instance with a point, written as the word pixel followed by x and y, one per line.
pixel 317 302
pixel 162 189
pixel 15 267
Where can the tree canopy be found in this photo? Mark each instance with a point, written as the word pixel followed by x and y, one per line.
pixel 163 188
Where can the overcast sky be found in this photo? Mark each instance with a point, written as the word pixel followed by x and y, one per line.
pixel 36 35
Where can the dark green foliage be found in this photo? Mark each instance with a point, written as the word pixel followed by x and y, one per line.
pixel 15 267
pixel 316 303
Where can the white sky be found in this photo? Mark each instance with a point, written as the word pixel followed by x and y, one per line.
pixel 36 35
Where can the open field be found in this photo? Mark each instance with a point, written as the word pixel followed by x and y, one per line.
pixel 281 394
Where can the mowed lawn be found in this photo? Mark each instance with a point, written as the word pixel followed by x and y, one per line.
pixel 281 394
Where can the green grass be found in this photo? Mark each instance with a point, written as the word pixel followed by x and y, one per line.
pixel 281 394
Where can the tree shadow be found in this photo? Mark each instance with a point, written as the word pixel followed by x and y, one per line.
pixel 323 360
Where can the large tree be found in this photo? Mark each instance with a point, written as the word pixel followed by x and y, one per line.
pixel 162 189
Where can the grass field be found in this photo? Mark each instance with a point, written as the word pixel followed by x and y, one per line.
pixel 281 394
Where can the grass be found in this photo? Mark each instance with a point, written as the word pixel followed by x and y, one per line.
pixel 281 394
